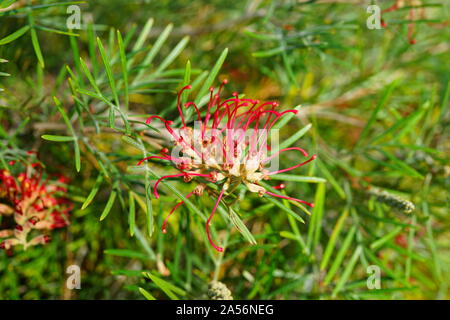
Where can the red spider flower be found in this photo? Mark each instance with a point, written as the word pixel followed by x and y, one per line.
pixel 226 146
pixel 33 203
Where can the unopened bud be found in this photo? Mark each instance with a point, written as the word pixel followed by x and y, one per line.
pixel 219 291
pixel 393 201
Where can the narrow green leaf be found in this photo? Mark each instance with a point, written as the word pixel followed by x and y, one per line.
pixel 93 192
pixel 165 286
pixel 92 47
pixel 268 53
pixel 149 208
pixel 186 81
pixel 126 253
pixel 386 95
pixel 211 77
pixel 127 273
pixel 334 236
pixel 296 178
pixel 411 122
pixel 431 241
pixel 108 70
pixel 52 30
pixel 123 60
pixel 89 76
pixel 133 142
pixel 386 238
pixel 13 36
pixel 143 35
pixel 146 294
pixel 411 237
pixel 140 41
pixel 330 178
pixel 314 228
pixel 37 47
pixel 64 115
pixel 132 213
pixel 347 271
pixel 289 235
pixel 57 138
pixel 403 126
pixel 402 166
pixel 144 243
pixel 172 55
pixel 154 50
pixel 72 131
pixel 109 204
pixel 340 256
pixel 295 137
pixel 112 117
pixel 240 225
pixel 76 148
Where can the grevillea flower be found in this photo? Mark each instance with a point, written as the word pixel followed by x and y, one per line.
pixel 32 204
pixel 227 146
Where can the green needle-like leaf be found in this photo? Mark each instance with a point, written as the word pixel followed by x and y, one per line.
pixel 15 35
pixel 109 204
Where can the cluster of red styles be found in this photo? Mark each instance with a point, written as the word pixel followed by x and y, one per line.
pixel 226 147
pixel 30 206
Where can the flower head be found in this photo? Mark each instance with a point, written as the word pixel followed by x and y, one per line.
pixel 227 145
pixel 33 204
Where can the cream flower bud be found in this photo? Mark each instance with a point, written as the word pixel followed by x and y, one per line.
pixel 256 188
pixel 251 165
